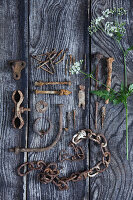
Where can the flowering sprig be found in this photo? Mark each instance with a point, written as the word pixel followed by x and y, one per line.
pixel 116 30
pixel 110 28
pixel 75 69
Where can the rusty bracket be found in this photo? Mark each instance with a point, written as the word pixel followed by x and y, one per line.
pixel 18 98
pixel 17 66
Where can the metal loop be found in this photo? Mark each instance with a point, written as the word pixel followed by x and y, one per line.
pixel 79 136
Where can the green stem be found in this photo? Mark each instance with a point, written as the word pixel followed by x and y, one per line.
pixel 125 82
pixel 126 106
pixel 90 75
pixel 125 68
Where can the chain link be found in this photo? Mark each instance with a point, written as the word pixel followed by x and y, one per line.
pixel 50 173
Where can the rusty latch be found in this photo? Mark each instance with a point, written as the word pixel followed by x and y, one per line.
pixel 17 66
pixel 18 98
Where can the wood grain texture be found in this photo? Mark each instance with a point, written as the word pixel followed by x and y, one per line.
pixel 13 39
pixel 57 24
pixel 116 182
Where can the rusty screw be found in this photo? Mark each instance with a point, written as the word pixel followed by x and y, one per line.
pixel 59 92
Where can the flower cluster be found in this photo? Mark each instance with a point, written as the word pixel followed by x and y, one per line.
pixel 110 28
pixel 75 69
pixel 115 29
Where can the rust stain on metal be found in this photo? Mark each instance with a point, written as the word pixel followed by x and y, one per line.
pixel 42 132
pixel 48 64
pixel 59 92
pixel 70 64
pixel 49 173
pixel 81 96
pixel 17 66
pixel 41 83
pixel 18 98
pixel 41 109
pixel 18 150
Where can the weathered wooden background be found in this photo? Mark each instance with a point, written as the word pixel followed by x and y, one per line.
pixel 33 27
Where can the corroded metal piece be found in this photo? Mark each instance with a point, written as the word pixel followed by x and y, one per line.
pixel 78 154
pixel 60 92
pixel 42 132
pixel 41 83
pixel 81 96
pixel 39 107
pixel 18 98
pixel 17 66
pixel 98 57
pixel 48 64
pixel 68 116
pixel 18 150
pixel 49 173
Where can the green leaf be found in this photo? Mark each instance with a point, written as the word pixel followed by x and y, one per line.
pixel 129 49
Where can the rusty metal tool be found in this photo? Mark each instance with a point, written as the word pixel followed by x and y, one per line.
pixel 59 92
pixel 18 150
pixel 66 67
pixel 41 83
pixel 110 60
pixel 17 120
pixel 81 96
pixel 42 132
pixel 17 66
pixel 74 119
pixel 98 57
pixel 70 63
pixel 68 116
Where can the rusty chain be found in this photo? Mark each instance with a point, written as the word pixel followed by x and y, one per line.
pixel 49 173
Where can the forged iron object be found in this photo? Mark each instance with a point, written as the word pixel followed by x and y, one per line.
pixel 42 132
pixel 78 154
pixel 68 116
pixel 18 98
pixel 50 60
pixel 60 92
pixel 41 103
pixel 41 83
pixel 17 150
pixel 98 57
pixel 50 173
pixel 81 96
pixel 108 85
pixel 17 66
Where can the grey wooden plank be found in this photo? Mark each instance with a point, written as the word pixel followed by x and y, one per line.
pixel 116 181
pixel 14 45
pixel 57 24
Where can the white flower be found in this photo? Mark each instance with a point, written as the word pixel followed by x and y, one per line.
pixel 99 20
pixel 75 69
pixel 106 13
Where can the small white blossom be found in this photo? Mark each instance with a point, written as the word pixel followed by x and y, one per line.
pixel 75 69
pixel 99 20
pixel 106 13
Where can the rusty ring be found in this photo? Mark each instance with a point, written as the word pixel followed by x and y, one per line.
pixel 38 106
pixel 42 132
